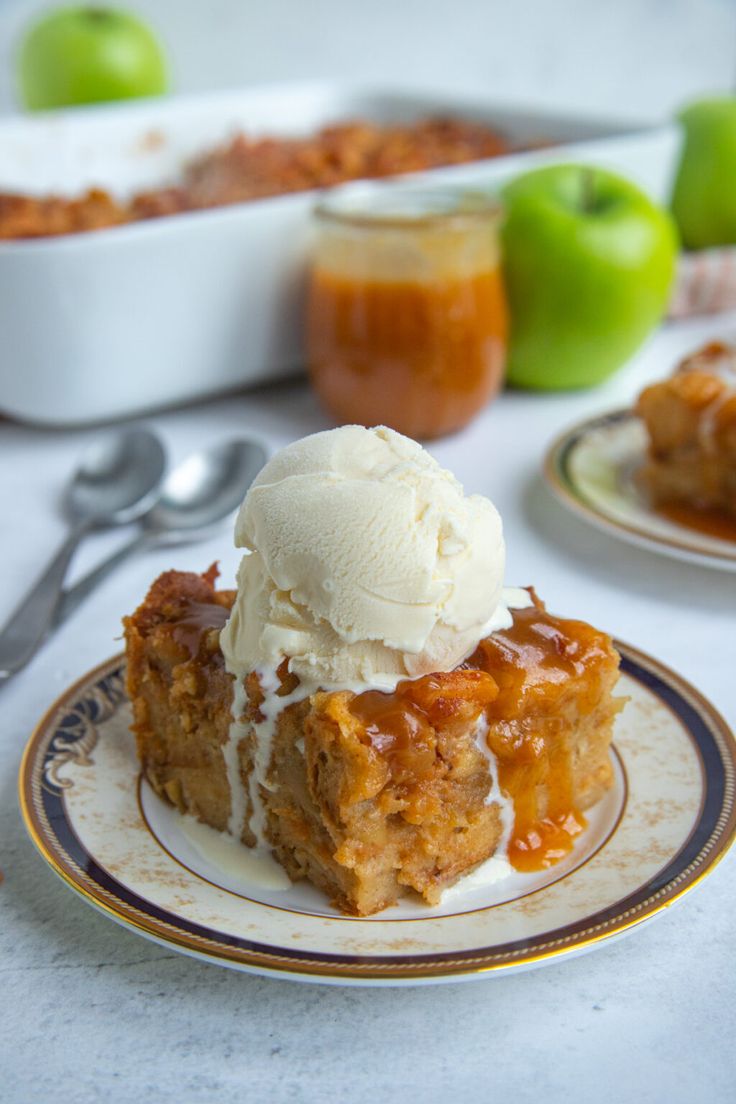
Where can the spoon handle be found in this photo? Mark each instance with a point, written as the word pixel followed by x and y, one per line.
pixel 72 598
pixel 31 620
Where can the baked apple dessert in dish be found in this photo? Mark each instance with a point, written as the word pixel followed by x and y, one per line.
pixel 371 706
pixel 247 169
pixel 690 420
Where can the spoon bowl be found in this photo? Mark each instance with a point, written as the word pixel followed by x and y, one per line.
pixel 117 480
pixel 204 490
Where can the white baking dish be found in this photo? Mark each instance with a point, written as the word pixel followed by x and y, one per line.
pixel 113 323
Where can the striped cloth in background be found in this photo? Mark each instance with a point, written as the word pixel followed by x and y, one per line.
pixel 705 283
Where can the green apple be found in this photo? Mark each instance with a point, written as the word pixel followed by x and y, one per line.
pixel 588 264
pixel 87 55
pixel 704 195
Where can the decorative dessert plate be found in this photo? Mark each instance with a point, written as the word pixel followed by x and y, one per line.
pixel 669 817
pixel 591 470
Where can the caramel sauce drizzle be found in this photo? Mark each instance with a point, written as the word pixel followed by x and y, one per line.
pixel 197 619
pixel 521 675
pixel 399 730
pixel 533 663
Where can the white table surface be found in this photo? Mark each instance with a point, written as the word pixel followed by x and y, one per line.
pixel 89 1011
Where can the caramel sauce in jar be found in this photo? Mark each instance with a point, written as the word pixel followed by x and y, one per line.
pixel 407 320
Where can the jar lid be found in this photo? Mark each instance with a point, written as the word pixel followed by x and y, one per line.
pixel 407 207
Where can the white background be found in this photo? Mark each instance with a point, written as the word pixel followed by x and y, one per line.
pixel 628 57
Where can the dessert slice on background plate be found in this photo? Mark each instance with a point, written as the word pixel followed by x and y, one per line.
pixel 377 710
pixel 663 474
pixel 690 419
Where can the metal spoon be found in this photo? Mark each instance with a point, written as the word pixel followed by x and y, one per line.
pixel 116 482
pixel 196 497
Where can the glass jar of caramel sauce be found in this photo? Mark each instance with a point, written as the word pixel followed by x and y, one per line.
pixel 406 317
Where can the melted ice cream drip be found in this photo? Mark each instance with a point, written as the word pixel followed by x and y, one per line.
pixel 264 732
pixel 231 755
pixel 249 865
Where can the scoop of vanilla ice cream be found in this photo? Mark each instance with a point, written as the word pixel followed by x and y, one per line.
pixel 365 563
